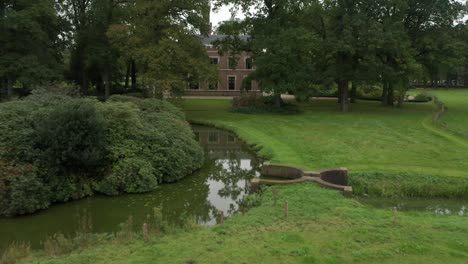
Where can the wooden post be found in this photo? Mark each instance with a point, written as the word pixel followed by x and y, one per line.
pixel 221 221
pixel 286 209
pixel 395 215
pixel 145 232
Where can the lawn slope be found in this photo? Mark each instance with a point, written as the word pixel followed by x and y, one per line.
pixel 322 227
pixel 369 138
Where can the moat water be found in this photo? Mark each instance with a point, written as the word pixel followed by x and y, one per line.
pixel 220 185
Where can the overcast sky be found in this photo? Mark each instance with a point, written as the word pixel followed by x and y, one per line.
pixel 224 14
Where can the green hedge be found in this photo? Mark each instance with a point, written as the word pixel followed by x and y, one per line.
pixel 70 148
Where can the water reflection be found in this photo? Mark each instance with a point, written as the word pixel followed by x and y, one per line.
pixel 220 185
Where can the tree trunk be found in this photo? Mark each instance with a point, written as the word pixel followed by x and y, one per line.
pixel 278 100
pixel 339 93
pixel 344 100
pixel 9 88
pixel 107 83
pixel 390 95
pixel 127 75
pixel 353 92
pixel 134 76
pixel 3 90
pixel 84 82
pixel 384 93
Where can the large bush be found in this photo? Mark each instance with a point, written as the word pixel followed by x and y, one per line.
pixel 70 148
pixel 70 138
pixel 21 190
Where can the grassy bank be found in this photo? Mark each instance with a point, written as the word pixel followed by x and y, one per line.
pixel 388 151
pixel 455 119
pixel 399 145
pixel 322 227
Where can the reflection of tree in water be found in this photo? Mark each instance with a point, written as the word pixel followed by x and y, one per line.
pixel 224 154
pixel 189 198
pixel 235 178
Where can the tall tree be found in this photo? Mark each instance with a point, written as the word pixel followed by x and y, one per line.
pixel 430 25
pixel 30 47
pixel 76 12
pixel 283 49
pixel 163 39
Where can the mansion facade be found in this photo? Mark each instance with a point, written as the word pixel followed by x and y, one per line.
pixel 231 80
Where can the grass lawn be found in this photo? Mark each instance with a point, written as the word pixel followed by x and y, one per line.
pixel 322 227
pixel 456 118
pixel 397 146
pixel 369 138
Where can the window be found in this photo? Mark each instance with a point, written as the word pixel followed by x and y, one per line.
pixel 194 86
pixel 248 63
pixel 213 86
pixel 232 82
pixel 214 60
pixel 213 137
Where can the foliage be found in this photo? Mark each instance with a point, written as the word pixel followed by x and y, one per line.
pixel 169 54
pixel 300 46
pixel 369 91
pixel 251 103
pixel 65 148
pixel 22 190
pixel 30 47
pixel 422 97
pixel 70 138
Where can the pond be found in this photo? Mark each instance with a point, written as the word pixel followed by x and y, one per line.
pixel 436 206
pixel 220 185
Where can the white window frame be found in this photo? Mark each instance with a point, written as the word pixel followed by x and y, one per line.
pixel 235 82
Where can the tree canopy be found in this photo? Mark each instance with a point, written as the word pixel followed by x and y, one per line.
pixel 299 46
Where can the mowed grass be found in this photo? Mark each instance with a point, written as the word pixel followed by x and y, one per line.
pixel 322 227
pixel 369 138
pixel 456 118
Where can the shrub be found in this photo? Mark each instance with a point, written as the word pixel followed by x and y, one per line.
pixel 70 138
pixel 247 100
pixel 422 97
pixel 171 146
pixel 251 103
pixel 67 148
pixel 369 92
pixel 22 191
pixel 16 129
pixel 131 175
